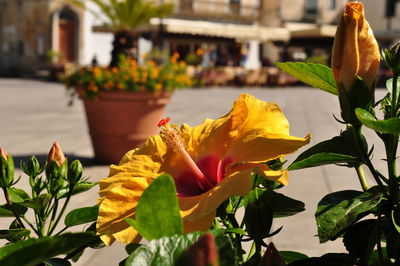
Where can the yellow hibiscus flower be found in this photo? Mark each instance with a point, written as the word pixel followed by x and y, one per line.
pixel 209 163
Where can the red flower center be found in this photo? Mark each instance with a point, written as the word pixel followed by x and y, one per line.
pixel 188 183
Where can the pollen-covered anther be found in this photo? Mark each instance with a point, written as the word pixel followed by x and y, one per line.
pixel 172 137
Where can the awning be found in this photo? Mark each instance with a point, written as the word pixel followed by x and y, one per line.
pixel 308 30
pixel 238 32
pixel 387 35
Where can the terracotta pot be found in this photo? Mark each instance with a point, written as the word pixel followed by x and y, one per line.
pixel 121 121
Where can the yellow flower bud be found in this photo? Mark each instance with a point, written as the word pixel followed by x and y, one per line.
pixel 355 50
pixel 56 154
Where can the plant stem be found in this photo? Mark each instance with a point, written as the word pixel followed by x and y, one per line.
pixel 251 251
pixel 359 139
pixel 391 150
pixel 379 245
pixel 62 210
pixel 53 215
pixel 9 202
pixel 361 177
pixel 62 230
pixel 31 226
pixel 394 99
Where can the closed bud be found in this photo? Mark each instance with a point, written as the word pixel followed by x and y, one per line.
pixel 3 153
pixel 56 154
pixel 258 220
pixel 32 167
pixel 355 50
pixel 272 257
pixel 75 172
pixel 6 169
pixel 203 252
pixel 391 58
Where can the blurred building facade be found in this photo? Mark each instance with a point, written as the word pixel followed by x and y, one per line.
pixel 37 33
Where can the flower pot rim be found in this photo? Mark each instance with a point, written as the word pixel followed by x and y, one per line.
pixel 125 95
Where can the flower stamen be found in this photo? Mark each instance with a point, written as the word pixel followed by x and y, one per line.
pixel 172 138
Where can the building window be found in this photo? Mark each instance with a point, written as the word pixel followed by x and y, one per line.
pixel 310 9
pixel 332 4
pixel 234 6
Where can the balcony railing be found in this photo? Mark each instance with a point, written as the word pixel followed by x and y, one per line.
pixel 233 11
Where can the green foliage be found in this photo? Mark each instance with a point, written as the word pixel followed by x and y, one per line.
pixel 361 238
pixel 6 210
pixel 38 202
pixel 341 149
pixel 81 216
pixel 23 247
pixel 281 205
pixel 167 250
pixel 292 256
pixel 157 213
pixel 14 233
pixel 389 126
pixel 315 75
pixel 17 195
pixel 6 170
pixel 127 14
pixel 338 210
pixel 329 259
pixel 78 188
pixel 34 251
pixel 358 96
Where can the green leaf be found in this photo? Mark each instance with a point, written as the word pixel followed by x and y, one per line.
pixel 338 210
pixel 396 218
pixel 34 251
pixel 57 262
pixel 281 205
pixel 5 210
pixel 315 75
pixel 329 259
pixel 163 251
pixel 389 126
pixel 339 149
pixel 389 86
pixel 14 233
pixel 157 213
pixel 374 259
pixel 361 238
pixel 81 216
pixel 238 231
pixel 131 247
pixel 167 250
pixel 226 252
pixel 292 256
pixel 79 188
pixel 38 202
pixel 17 195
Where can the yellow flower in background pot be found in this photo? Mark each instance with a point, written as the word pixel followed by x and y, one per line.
pixel 209 163
pixel 355 50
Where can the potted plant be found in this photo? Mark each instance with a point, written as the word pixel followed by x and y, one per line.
pixel 123 104
pixel 124 101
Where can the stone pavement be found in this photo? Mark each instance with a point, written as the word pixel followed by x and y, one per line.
pixel 34 114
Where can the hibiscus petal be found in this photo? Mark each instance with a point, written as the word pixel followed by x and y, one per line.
pixel 198 207
pixel 117 205
pixel 142 162
pixel 258 146
pixel 202 224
